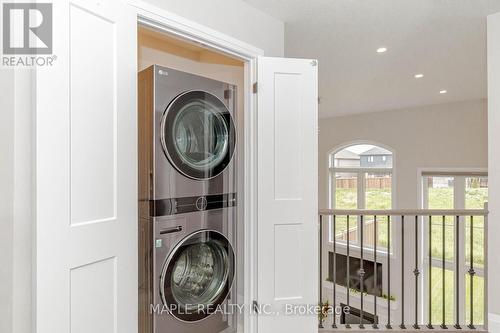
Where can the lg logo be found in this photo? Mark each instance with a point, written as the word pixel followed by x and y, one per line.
pixel 27 28
pixel 201 203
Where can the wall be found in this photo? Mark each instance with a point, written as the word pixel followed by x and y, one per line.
pixel 15 201
pixel 494 167
pixel 6 197
pixel 440 136
pixel 234 18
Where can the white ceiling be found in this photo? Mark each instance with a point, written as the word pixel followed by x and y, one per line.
pixel 443 39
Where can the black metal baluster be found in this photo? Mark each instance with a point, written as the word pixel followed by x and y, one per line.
pixel 361 272
pixel 471 272
pixel 388 326
pixel 443 267
pixel 457 274
pixel 402 326
pixel 375 284
pixel 320 322
pixel 429 324
pixel 347 325
pixel 416 272
pixel 334 278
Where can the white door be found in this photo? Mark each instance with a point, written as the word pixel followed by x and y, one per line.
pixel 287 193
pixel 86 172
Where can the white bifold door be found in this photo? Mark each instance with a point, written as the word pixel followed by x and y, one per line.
pixel 287 201
pixel 86 172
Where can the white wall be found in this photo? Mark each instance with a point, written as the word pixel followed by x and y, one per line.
pixel 6 197
pixel 15 201
pixel 440 136
pixel 494 167
pixel 234 18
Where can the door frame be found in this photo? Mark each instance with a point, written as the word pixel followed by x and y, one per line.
pixel 166 22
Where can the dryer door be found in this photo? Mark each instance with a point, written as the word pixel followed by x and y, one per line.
pixel 198 134
pixel 197 275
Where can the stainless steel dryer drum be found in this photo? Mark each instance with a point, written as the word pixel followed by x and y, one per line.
pixel 188 200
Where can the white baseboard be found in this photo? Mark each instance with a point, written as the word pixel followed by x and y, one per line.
pixel 493 323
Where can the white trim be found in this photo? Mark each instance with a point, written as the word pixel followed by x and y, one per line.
pixel 356 170
pixel 452 169
pixel 167 22
pixel 485 269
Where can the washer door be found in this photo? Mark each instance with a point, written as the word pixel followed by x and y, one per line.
pixel 197 275
pixel 198 134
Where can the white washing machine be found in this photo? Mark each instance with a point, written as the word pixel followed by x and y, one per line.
pixel 188 197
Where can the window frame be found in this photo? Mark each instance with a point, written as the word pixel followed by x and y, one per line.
pixel 361 193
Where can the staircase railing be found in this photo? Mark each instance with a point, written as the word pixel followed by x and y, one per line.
pixel 420 259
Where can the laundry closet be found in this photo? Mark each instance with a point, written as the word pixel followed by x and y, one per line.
pixel 190 150
pixel 184 163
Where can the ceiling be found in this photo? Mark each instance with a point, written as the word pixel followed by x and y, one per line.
pixel 443 39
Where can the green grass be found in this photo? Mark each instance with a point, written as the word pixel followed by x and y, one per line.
pixel 442 198
pixel 437 297
pixel 478 299
pixel 375 199
pixel 439 198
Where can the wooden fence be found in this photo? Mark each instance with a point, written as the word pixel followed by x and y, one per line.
pixel 370 182
pixel 369 237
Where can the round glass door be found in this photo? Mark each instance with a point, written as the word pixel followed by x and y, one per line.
pixel 198 134
pixel 197 275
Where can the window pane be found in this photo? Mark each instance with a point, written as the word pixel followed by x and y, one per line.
pixel 346 197
pixel 365 156
pixel 476 195
pixel 343 232
pixel 476 192
pixel 377 196
pixel 346 190
pixel 437 296
pixel 478 299
pixel 440 191
pixel 369 231
pixel 478 240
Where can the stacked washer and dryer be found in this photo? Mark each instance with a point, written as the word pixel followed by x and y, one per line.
pixel 187 202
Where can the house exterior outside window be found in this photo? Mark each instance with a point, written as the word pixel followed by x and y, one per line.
pixel 376 157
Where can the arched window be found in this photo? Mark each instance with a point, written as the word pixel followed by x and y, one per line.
pixel 361 178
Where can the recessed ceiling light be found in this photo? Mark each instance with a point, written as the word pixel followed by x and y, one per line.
pixel 381 49
pixel 419 76
pixel 443 91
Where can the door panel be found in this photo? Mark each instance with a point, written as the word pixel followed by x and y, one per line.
pixel 92 116
pixel 86 158
pixel 287 192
